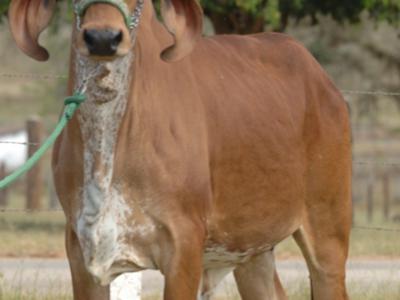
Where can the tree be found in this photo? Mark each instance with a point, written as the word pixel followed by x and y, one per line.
pixel 3 7
pixel 248 16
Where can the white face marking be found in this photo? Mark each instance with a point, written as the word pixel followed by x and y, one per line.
pixel 103 207
pixel 102 222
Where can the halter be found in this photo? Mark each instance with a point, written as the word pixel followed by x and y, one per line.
pixel 132 20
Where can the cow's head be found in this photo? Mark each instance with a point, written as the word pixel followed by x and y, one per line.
pixel 103 29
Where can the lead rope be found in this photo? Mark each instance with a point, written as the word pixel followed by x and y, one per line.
pixel 71 103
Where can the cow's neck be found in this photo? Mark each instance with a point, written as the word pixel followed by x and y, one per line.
pixel 113 103
pixel 109 88
pixel 99 119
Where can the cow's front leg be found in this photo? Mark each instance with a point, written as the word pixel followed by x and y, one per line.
pixel 84 286
pixel 184 267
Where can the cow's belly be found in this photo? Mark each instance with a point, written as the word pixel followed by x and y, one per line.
pixel 251 230
pixel 257 204
pixel 227 247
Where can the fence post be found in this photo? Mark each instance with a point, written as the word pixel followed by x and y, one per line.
pixel 53 199
pixel 386 195
pixel 370 197
pixel 353 205
pixel 127 286
pixel 3 192
pixel 34 179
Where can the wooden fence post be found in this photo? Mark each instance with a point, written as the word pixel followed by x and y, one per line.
pixel 53 199
pixel 353 204
pixel 370 199
pixel 3 192
pixel 386 195
pixel 34 178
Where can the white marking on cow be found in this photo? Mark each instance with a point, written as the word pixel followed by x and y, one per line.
pixel 102 222
pixel 218 256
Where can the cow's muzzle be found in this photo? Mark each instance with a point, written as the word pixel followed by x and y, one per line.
pixel 106 28
pixel 102 42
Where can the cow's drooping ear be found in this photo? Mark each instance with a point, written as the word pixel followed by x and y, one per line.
pixel 184 19
pixel 28 18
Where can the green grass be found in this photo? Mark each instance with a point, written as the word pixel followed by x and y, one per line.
pixel 16 295
pixel 31 234
pixel 363 244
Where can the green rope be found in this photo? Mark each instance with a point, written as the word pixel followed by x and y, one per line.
pixel 71 105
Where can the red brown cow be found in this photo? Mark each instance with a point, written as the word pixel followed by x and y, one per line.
pixel 195 156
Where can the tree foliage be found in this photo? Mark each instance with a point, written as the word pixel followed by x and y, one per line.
pixel 245 16
pixel 3 7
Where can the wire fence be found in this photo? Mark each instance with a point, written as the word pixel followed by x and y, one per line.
pixel 359 163
pixel 356 162
pixel 376 229
pixel 23 211
pixel 20 143
pixel 371 93
pixel 33 76
pixel 58 210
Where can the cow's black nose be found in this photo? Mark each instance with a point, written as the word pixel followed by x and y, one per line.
pixel 102 42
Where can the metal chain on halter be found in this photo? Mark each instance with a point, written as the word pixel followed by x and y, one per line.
pixel 137 14
pixel 132 20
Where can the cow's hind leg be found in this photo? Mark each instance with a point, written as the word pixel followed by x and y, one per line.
pixel 84 287
pixel 257 279
pixel 324 243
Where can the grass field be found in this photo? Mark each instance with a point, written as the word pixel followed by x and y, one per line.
pixel 32 235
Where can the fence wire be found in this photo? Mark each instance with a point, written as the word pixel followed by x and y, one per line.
pixel 23 211
pixel 59 210
pixel 376 228
pixel 33 76
pixel 371 93
pixel 20 143
pixel 360 163
pixel 376 163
